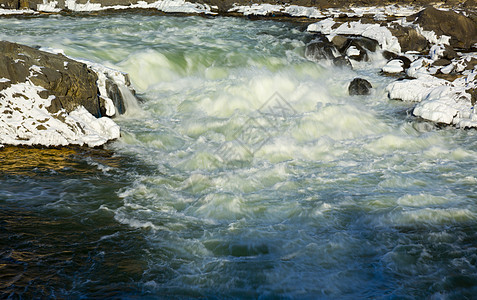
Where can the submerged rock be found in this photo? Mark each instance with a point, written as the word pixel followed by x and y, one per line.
pixel 359 86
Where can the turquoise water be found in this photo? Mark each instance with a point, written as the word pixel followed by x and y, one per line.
pixel 247 172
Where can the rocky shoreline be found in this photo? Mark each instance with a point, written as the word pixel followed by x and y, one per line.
pixel 430 50
pixel 49 99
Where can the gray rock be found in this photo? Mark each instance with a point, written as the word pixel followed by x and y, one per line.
pixel 319 50
pixel 359 86
pixel 342 61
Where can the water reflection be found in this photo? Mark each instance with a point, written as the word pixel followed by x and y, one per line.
pixel 34 161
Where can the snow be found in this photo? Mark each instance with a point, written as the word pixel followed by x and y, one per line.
pixel 373 31
pixel 168 6
pixel 432 37
pixel 256 9
pixel 48 6
pixel 5 12
pixel 394 66
pixel 301 11
pixel 24 120
pixel 353 51
pixel 439 100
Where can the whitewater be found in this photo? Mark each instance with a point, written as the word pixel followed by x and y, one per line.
pixel 245 171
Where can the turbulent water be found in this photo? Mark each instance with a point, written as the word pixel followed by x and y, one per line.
pixel 245 172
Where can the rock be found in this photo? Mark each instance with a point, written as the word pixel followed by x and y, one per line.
pixel 319 50
pixel 461 29
pixel 359 86
pixel 9 4
pixel 473 95
pixel 394 66
pixel 342 61
pixel 71 82
pixel 449 53
pixel 409 38
pixel 115 94
pixel 441 62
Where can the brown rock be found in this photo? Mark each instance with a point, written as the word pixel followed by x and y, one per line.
pixel 9 4
pixel 461 29
pixel 71 82
pixel 409 39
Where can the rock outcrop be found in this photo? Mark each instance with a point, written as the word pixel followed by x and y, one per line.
pixel 462 30
pixel 49 99
pixel 70 82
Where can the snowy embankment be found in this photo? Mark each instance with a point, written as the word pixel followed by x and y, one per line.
pixel 182 6
pixel 167 6
pixel 439 100
pixel 50 106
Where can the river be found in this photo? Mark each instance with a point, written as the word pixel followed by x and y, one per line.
pixel 246 171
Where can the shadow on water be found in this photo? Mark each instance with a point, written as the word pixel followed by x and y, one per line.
pixel 58 235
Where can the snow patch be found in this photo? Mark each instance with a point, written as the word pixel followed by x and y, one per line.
pixel 48 6
pixel 168 6
pixel 24 120
pixel 394 66
pixel 439 100
pixel 373 31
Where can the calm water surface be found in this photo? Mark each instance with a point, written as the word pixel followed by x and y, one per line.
pixel 247 172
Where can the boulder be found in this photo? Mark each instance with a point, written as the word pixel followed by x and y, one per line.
pixel 409 38
pixel 461 29
pixel 9 4
pixel 359 86
pixel 71 82
pixel 342 61
pixel 318 50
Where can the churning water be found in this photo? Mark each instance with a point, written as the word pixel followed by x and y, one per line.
pixel 246 172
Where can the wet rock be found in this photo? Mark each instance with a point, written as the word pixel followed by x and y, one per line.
pixel 359 86
pixel 319 50
pixel 461 29
pixel 115 94
pixel 342 61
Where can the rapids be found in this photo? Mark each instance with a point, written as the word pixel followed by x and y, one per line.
pixel 246 171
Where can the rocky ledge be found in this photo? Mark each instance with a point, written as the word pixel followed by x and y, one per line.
pixel 51 100
pixel 432 53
